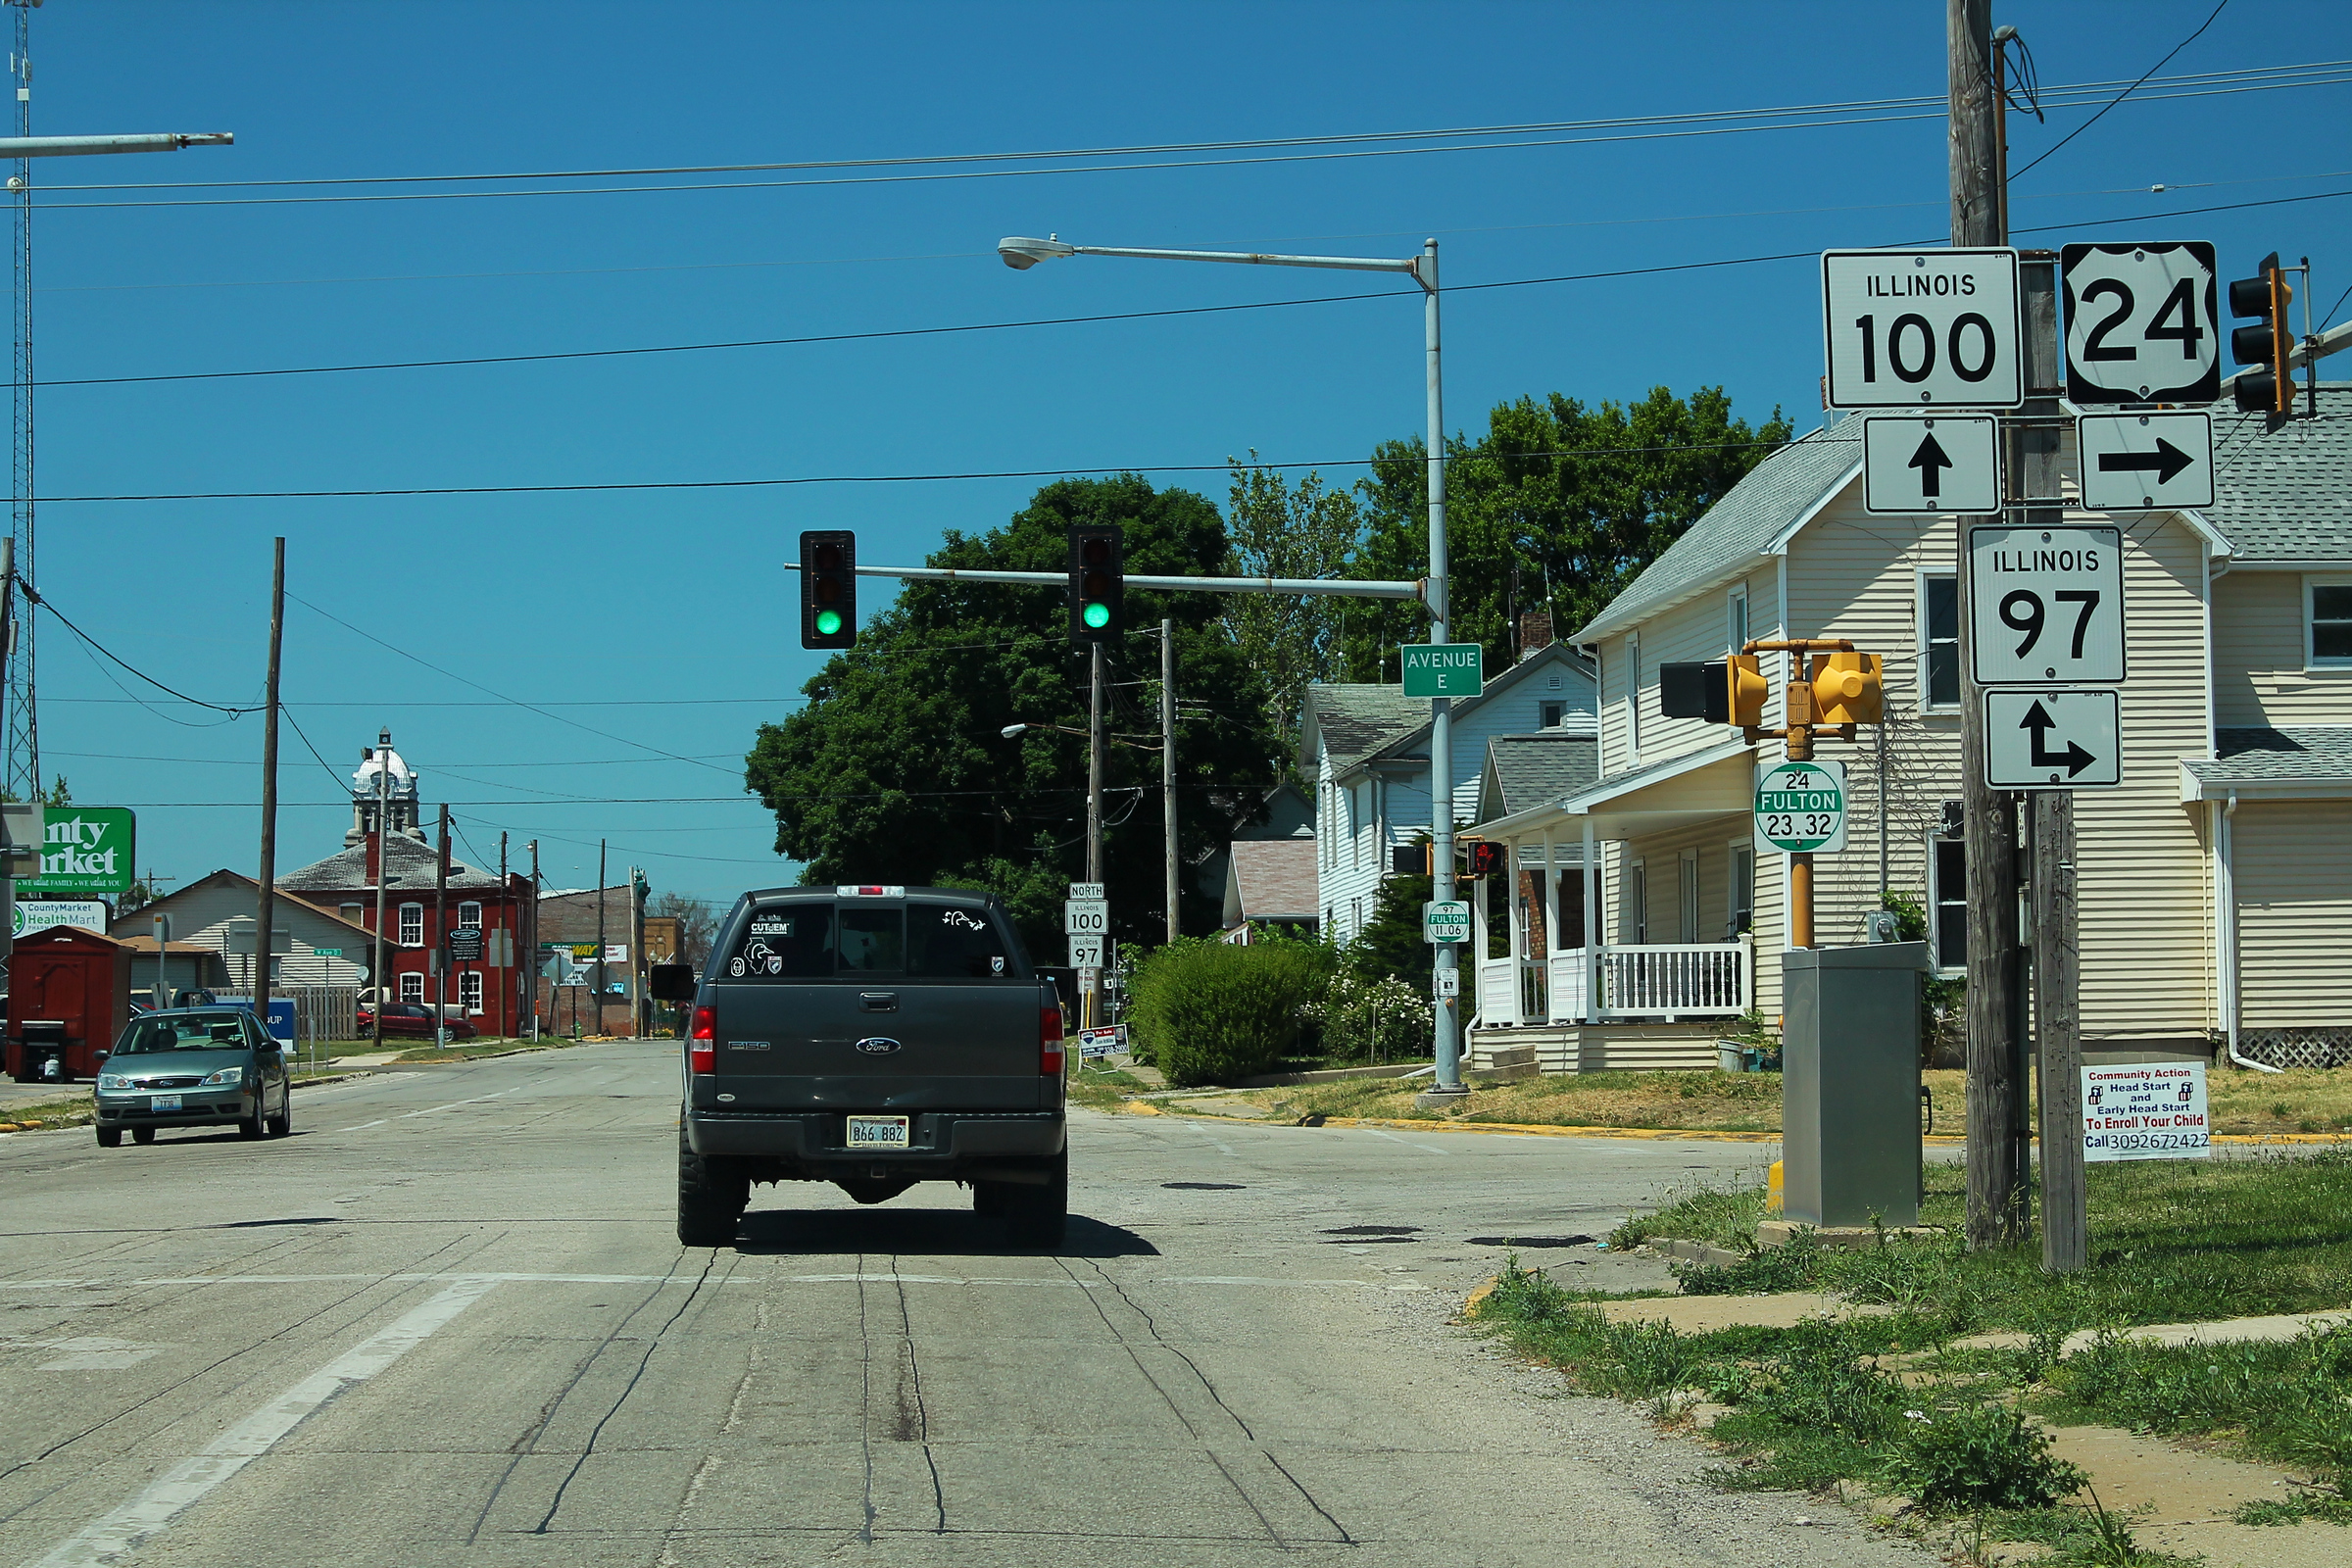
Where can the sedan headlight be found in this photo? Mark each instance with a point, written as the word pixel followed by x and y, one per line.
pixel 114 1080
pixel 225 1077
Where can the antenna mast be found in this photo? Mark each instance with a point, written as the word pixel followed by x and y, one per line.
pixel 19 731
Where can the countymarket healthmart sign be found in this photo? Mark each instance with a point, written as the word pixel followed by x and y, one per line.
pixel 86 849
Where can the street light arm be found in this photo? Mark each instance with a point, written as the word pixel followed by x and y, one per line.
pixel 167 141
pixel 1022 252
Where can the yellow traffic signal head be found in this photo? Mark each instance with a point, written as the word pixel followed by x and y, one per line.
pixel 1848 689
pixel 1745 690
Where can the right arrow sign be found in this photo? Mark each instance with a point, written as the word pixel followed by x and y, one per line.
pixel 2052 740
pixel 2137 462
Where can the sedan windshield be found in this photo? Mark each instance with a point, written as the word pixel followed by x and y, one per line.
pixel 184 1031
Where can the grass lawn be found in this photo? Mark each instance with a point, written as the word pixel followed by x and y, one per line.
pixel 486 1048
pixel 2313 1100
pixel 2171 1240
pixel 1103 1087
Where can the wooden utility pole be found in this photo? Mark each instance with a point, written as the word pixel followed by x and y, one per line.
pixel 1089 1004
pixel 505 924
pixel 1997 1189
pixel 599 943
pixel 441 936
pixel 267 910
pixel 532 945
pixel 383 841
pixel 1167 762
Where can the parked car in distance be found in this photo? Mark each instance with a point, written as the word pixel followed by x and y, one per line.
pixel 870 1037
pixel 194 1067
pixel 412 1020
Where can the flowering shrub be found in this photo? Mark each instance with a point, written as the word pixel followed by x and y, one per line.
pixel 1360 1019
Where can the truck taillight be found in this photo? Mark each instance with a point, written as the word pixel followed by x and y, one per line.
pixel 1048 1041
pixel 702 1045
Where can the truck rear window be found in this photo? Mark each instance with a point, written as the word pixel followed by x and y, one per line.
pixel 918 939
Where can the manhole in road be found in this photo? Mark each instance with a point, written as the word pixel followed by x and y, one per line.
pixel 1531 1241
pixel 1392 1231
pixel 1203 1187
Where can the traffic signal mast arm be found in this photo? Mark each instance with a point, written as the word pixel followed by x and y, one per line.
pixel 1346 588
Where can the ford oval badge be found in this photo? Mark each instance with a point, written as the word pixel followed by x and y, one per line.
pixel 877 1046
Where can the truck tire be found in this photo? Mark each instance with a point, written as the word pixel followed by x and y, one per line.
pixel 1037 1216
pixel 712 1198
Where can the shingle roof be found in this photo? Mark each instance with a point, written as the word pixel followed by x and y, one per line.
pixel 1276 877
pixel 2273 755
pixel 1357 720
pixel 1530 770
pixel 2284 495
pixel 1413 742
pixel 408 860
pixel 1776 493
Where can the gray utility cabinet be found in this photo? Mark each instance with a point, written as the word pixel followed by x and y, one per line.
pixel 1849 1086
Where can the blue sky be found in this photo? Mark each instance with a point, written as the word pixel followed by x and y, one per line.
pixel 661 617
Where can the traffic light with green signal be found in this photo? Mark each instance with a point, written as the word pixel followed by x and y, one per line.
pixel 2269 388
pixel 829 588
pixel 1098 583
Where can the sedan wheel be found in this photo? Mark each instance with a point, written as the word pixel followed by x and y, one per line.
pixel 110 1138
pixel 282 1124
pixel 142 1135
pixel 257 1125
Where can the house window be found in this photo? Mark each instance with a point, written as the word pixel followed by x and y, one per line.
pixel 1743 890
pixel 469 916
pixel 1636 903
pixel 469 991
pixel 2330 616
pixel 1735 630
pixel 1947 894
pixel 411 925
pixel 1939 641
pixel 1633 696
pixel 412 988
pixel 1686 887
pixel 353 913
pixel 1547 714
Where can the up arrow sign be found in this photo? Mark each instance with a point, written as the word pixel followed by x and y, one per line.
pixel 1930 461
pixel 2039 722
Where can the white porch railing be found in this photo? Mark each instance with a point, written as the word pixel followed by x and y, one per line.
pixel 1702 980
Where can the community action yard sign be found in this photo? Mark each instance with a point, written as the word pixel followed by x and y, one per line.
pixel 86 850
pixel 2150 1110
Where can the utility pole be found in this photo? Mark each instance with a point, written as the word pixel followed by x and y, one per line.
pixel 506 922
pixel 1089 1006
pixel 637 1018
pixel 600 937
pixel 1445 1009
pixel 441 936
pixel 383 840
pixel 1997 1168
pixel 263 946
pixel 533 945
pixel 1167 760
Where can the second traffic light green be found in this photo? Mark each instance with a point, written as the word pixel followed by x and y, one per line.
pixel 1098 582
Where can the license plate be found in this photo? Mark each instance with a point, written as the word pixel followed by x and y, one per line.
pixel 163 1103
pixel 878 1131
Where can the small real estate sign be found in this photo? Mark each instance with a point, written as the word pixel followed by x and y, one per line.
pixel 86 850
pixel 1110 1040
pixel 2147 1110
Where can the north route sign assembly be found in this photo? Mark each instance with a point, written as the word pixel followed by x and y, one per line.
pixel 1921 328
pixel 1931 464
pixel 2143 324
pixel 2045 605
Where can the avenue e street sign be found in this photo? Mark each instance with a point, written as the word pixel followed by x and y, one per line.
pixel 1442 669
pixel 2132 462
pixel 1921 328
pixel 1942 462
pixel 1445 921
pixel 2045 605
pixel 2052 740
pixel 1801 809
pixel 2143 324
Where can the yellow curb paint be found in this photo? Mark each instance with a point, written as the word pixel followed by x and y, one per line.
pixel 1137 1107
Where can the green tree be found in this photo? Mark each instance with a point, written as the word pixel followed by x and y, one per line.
pixel 896 770
pixel 1579 498
pixel 1279 529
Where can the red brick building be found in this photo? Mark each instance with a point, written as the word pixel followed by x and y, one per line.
pixel 496 992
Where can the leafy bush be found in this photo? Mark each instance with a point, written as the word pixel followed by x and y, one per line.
pixel 1359 1019
pixel 1210 1013
pixel 1986 1457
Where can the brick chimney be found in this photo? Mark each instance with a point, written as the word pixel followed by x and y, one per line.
pixel 375 857
pixel 1535 632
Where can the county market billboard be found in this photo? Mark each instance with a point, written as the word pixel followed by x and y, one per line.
pixel 86 850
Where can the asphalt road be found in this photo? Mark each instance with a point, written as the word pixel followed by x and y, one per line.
pixel 448 1322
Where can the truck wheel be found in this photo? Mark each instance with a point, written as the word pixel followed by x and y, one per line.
pixel 988 1198
pixel 110 1138
pixel 1039 1215
pixel 712 1198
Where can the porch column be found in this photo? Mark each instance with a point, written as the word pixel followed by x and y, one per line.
pixel 1591 929
pixel 1511 861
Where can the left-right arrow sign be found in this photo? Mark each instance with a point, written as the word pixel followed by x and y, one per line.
pixel 2053 739
pixel 2139 461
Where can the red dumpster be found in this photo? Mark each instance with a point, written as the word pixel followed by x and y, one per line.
pixel 69 1000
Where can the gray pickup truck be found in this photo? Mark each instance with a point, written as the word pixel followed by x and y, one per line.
pixel 871 1037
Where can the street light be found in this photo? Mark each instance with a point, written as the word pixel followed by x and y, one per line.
pixel 1020 252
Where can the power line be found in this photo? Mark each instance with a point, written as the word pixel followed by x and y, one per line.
pixel 131 669
pixel 2128 91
